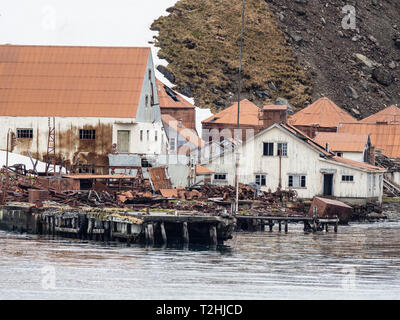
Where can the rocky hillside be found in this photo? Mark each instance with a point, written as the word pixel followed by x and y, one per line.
pixel 295 49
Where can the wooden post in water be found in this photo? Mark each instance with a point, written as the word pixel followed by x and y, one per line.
pixel 270 225
pixel 326 227
pixel 286 226
pixel 151 233
pixel 163 233
pixel 213 234
pixel 185 232
pixel 280 225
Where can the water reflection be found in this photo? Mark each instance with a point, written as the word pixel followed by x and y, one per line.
pixel 360 261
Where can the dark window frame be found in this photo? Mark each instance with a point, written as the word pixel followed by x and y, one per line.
pixel 261 179
pixel 220 176
pixel 279 148
pixel 24 133
pixel 268 149
pixel 302 181
pixel 347 178
pixel 87 134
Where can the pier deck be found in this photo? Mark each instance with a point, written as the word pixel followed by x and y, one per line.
pixel 117 224
pixel 252 223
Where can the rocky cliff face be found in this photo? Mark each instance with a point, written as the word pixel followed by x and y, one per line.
pixel 296 49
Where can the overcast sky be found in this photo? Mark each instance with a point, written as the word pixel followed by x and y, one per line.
pixel 82 22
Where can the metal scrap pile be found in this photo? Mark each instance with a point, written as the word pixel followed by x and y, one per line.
pixel 247 192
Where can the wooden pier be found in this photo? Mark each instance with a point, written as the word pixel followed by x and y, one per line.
pixel 118 224
pixel 260 223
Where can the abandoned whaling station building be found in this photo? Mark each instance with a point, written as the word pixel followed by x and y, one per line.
pixel 280 155
pixel 103 100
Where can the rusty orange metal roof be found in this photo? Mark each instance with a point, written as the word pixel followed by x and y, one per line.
pixel 71 81
pixel 202 170
pixel 322 112
pixel 342 141
pixel 361 165
pixel 189 134
pixel 383 136
pixel 167 101
pixel 248 114
pixel 390 115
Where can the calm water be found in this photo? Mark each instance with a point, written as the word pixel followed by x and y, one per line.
pixel 361 261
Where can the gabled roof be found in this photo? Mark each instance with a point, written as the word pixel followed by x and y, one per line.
pixel 170 99
pixel 383 136
pixel 390 115
pixel 248 114
pixel 189 134
pixel 346 142
pixel 322 112
pixel 202 170
pixel 324 155
pixel 71 81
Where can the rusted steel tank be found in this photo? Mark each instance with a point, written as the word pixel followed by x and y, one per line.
pixel 329 208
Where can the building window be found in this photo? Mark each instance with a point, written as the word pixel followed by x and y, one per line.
pixel 141 135
pixel 147 101
pixel 261 179
pixel 155 136
pixel 268 149
pixel 172 144
pixel 297 181
pixel 87 134
pixel 339 154
pixel 25 133
pixel 282 149
pixel 347 178
pixel 220 176
pixel 148 135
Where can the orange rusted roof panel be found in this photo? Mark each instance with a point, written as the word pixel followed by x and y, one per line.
pixel 347 142
pixel 361 165
pixel 248 114
pixel 166 101
pixel 383 136
pixel 70 81
pixel 202 170
pixel 323 112
pixel 390 115
pixel 189 134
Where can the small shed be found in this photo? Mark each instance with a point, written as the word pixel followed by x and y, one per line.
pixel 329 208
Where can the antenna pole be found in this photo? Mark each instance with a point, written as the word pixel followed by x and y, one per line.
pixel 238 112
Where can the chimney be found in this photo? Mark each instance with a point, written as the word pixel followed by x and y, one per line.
pixel 271 114
pixel 327 147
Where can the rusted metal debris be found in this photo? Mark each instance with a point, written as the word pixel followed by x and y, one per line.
pixel 156 192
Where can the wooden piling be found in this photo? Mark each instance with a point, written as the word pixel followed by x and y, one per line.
pixel 213 234
pixel 163 233
pixel 280 226
pixel 286 226
pixel 185 232
pixel 150 232
pixel 270 225
pixel 326 227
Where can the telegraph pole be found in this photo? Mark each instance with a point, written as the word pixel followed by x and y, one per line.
pixel 237 158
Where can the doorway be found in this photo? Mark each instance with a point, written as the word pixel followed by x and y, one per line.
pixel 328 184
pixel 123 140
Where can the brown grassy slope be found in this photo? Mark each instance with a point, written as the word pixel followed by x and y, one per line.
pixel 200 41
